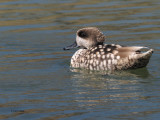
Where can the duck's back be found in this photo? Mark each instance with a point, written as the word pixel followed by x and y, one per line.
pixel 110 57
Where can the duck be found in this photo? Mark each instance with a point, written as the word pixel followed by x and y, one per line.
pixel 94 54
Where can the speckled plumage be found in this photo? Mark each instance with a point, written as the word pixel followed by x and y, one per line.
pixel 95 55
pixel 99 58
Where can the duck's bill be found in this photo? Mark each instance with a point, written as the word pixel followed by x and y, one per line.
pixel 74 45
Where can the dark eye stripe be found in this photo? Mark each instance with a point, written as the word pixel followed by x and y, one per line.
pixel 82 34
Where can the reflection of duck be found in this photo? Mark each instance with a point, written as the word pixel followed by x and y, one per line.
pixel 138 73
pixel 95 55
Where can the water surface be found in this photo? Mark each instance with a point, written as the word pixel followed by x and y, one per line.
pixel 36 81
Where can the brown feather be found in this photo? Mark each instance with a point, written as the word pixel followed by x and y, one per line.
pixel 124 54
pixel 126 51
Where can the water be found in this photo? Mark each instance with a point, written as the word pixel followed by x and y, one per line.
pixel 36 81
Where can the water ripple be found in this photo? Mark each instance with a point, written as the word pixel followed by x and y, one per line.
pixel 35 79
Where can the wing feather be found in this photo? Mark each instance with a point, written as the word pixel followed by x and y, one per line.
pixel 126 51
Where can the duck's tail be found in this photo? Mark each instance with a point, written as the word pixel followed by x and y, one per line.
pixel 138 59
pixel 141 59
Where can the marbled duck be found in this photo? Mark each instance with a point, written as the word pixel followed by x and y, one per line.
pixel 95 55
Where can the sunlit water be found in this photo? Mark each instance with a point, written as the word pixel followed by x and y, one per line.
pixel 36 81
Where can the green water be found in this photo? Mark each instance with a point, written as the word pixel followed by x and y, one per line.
pixel 36 81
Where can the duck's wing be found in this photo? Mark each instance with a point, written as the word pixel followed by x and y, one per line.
pixel 132 57
pixel 131 51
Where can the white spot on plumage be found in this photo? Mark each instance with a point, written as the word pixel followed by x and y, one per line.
pixel 90 67
pixel 118 57
pixel 112 44
pixel 108 49
pixel 102 53
pixel 101 50
pixel 109 62
pixel 104 46
pixel 108 55
pixel 94 63
pixel 104 63
pixel 92 55
pixel 118 46
pixel 114 61
pixel 82 59
pixel 100 46
pixel 99 55
pixel 115 52
pixel 97 67
pixel 92 50
pixel 103 56
pixel 112 56
pixel 101 65
pixel 97 62
pixel 91 61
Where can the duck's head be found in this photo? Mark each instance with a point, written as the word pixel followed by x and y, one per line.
pixel 87 37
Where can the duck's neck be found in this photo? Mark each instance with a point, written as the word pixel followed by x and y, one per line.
pixel 100 43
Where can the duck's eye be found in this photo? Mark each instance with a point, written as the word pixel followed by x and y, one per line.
pixel 82 34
